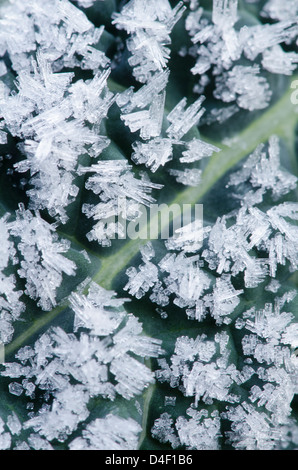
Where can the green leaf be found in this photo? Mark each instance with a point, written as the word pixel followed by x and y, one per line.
pixel 236 138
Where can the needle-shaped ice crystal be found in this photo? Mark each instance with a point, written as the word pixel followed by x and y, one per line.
pixel 245 85
pixel 73 367
pixel 199 431
pixel 42 259
pixel 278 10
pixel 109 433
pixel 149 25
pixel 60 29
pixel 182 119
pixel 193 368
pixel 121 196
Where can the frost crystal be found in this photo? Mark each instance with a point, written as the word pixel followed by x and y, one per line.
pixel 143 110
pixel 140 282
pixel 189 238
pixel 145 95
pixel 188 177
pixel 269 343
pixel 11 306
pixel 14 424
pixel 163 430
pixel 42 262
pixel 186 280
pixel 219 44
pixel 149 25
pixel 98 311
pixel 51 115
pixel 196 150
pixel 200 432
pixel 158 150
pixel 244 85
pixel 251 429
pixel 193 371
pixel 60 29
pixel 263 171
pixel 181 119
pixel 201 368
pixel 182 277
pixel 57 120
pixel 5 437
pixel 121 195
pixel 72 368
pixel 151 96
pixel 223 300
pixel 235 362
pixel 109 433
pixel 38 443
pixel 272 331
pixel 85 3
pixel 155 153
pixel 253 228
pixel 277 10
pixel 257 39
pixel 275 60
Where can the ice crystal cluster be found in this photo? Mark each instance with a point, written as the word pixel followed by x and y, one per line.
pixel 71 368
pixel 108 107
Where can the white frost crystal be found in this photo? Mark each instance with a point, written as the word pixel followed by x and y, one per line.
pixel 98 311
pixel 142 110
pixel 200 432
pixel 252 429
pixel 244 85
pixel 72 368
pixel 57 27
pixel 271 330
pixel 202 368
pixel 224 300
pixel 263 171
pixel 121 196
pixel 51 120
pixel 195 373
pixel 163 430
pixel 188 177
pixel 149 25
pixel 82 111
pixel 5 437
pixel 181 276
pixel 14 424
pixel 216 43
pixel 196 150
pixel 11 306
pixel 182 119
pixel 219 44
pixel 56 119
pixel 278 10
pixel 154 153
pixel 42 262
pixel 109 433
pixel 275 60
pixel 257 39
pixel 262 422
pixel 141 281
pixel 85 3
